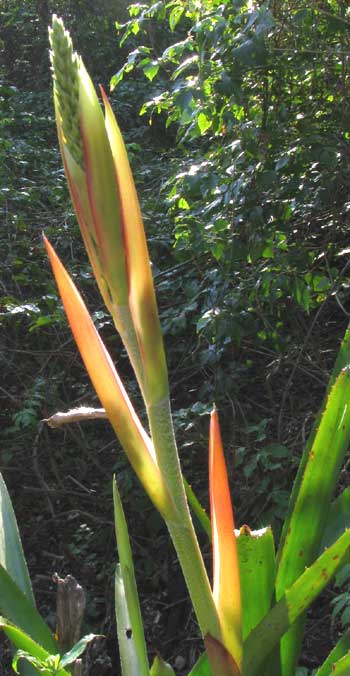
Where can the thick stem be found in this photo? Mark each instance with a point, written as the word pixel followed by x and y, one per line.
pixel 124 324
pixel 182 531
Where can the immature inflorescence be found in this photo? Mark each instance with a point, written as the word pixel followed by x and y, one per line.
pixel 65 66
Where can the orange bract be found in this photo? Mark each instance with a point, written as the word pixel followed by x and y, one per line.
pixel 226 580
pixel 142 299
pixel 110 389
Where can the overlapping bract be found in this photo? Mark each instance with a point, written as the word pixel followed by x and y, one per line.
pixel 107 208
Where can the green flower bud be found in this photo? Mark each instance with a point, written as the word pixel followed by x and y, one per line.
pixel 65 66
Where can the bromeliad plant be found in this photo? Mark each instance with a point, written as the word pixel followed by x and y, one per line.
pixel 252 618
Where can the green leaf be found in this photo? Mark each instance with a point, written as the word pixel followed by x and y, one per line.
pixel 197 509
pixel 175 16
pixel 282 162
pixel 151 69
pixel 203 123
pixel 132 645
pixel 261 641
pixel 308 519
pixel 343 360
pixel 342 648
pixel 338 519
pixel 25 643
pixel 15 605
pixel 129 659
pixel 256 556
pixel 161 668
pixel 202 667
pixel 11 551
pixel 15 570
pixel 50 666
pixel 184 66
pixel 252 52
pixel 183 204
pixel 36 663
pixel 342 667
pixel 77 650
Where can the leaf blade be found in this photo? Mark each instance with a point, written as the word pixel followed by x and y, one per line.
pixel 256 556
pixel 293 603
pixel 128 576
pixel 11 550
pixel 308 519
pixel 161 668
pixel 339 650
pixel 127 649
pixel 15 605
pixel 343 360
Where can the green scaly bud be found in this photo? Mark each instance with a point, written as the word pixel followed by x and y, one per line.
pixel 65 67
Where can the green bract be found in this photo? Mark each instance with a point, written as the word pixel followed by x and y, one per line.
pixel 65 66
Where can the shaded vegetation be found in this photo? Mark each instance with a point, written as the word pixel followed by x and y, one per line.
pixel 241 156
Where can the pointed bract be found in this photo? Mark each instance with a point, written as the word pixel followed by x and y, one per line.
pixel 226 581
pixel 142 300
pixel 110 389
pixel 221 661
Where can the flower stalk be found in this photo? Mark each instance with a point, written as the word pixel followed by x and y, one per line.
pixel 106 203
pixel 89 168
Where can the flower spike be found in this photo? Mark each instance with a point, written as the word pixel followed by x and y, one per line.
pixel 105 201
pixel 226 580
pixel 89 166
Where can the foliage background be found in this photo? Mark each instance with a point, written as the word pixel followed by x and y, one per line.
pixel 241 156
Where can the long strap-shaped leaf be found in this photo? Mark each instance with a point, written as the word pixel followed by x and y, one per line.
pixel 13 560
pixel 256 556
pixel 343 360
pixel 15 605
pixel 132 648
pixel 127 649
pixel 338 519
pixel 339 651
pixel 293 603
pixel 11 551
pixel 308 520
pixel 342 667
